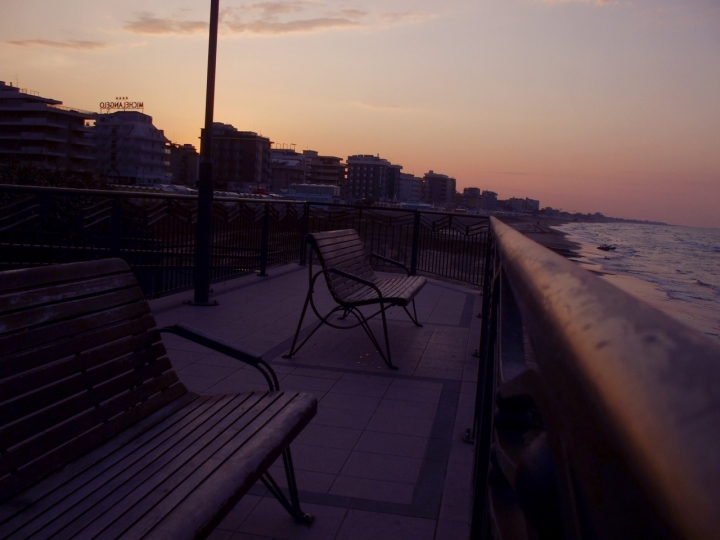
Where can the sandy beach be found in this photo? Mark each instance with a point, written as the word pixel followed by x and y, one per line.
pixel 541 230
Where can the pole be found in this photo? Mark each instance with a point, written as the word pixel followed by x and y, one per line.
pixel 203 244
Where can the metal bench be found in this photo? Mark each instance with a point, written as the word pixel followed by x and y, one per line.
pixel 353 284
pixel 100 439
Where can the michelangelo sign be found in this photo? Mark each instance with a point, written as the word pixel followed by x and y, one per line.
pixel 121 105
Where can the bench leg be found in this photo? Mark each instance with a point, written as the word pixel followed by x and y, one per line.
pixel 413 319
pixel 299 327
pixel 293 505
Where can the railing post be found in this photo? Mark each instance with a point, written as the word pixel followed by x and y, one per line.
pixel 115 227
pixel 264 241
pixel 305 232
pixel 415 243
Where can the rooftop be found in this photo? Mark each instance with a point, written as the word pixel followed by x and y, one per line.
pixel 384 457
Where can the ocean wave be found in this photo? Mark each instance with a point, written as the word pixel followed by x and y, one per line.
pixel 708 285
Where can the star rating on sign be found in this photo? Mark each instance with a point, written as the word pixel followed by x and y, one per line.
pixel 121 98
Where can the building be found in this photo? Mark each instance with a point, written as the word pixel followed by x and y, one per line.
pixel 408 188
pixel 241 159
pixel 287 167
pixel 489 200
pixel 439 189
pixel 324 169
pixel 522 205
pixel 184 164
pixel 471 197
pixel 41 131
pixel 315 193
pixel 131 150
pixel 371 177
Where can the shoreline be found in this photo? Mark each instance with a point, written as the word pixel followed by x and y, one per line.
pixel 541 231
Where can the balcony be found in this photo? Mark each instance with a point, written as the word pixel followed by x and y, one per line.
pixel 385 448
pixel 590 414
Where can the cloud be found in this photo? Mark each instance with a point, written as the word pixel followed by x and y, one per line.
pixel 290 27
pixel 596 2
pixel 75 44
pixel 276 18
pixel 147 23
pixel 404 17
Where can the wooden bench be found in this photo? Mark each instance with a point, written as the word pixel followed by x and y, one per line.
pixel 353 284
pixel 100 439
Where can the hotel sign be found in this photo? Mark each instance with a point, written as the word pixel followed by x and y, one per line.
pixel 121 104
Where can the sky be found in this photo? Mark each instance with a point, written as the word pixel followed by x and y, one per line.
pixel 606 106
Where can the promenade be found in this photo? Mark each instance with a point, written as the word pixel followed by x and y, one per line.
pixel 383 458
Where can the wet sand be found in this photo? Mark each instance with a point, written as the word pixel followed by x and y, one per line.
pixel 540 230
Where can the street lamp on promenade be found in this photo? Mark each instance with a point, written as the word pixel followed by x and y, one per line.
pixel 203 244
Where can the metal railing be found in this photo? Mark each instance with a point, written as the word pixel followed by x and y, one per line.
pixel 597 416
pixel 156 234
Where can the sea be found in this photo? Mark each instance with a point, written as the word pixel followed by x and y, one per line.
pixel 676 269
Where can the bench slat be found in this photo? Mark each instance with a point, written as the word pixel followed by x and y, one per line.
pixel 45 275
pixel 71 358
pixel 187 471
pixel 158 444
pixel 48 314
pixel 64 291
pixel 59 330
pixel 209 459
pixel 62 349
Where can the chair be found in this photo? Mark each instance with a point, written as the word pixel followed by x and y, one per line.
pixel 353 284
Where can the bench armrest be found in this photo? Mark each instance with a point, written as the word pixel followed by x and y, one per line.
pixel 391 261
pixel 227 349
pixel 355 278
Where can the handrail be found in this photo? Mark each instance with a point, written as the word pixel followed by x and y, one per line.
pixel 154 195
pixel 627 400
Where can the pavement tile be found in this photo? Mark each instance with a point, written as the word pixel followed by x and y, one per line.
pixel 392 444
pixel 451 530
pixel 307 384
pixel 425 395
pixel 312 481
pixel 374 490
pixel 318 459
pixel 382 467
pixel 419 427
pixel 411 409
pixel 269 519
pixel 361 525
pixel 352 402
pixel 238 514
pixel 330 436
pixel 439 373
pixel 456 505
pixel 319 373
pixel 357 388
pixel 342 417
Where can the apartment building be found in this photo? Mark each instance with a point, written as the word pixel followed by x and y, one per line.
pixel 439 189
pixel 371 177
pixel 41 131
pixel 241 159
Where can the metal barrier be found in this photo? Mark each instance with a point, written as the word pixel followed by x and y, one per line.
pixel 597 416
pixel 156 235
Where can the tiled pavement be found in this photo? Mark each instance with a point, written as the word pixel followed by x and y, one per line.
pixel 383 458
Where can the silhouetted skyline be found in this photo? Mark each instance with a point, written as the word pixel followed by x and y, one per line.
pixel 606 106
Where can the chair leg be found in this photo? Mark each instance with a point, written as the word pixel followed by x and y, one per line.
pixel 299 326
pixel 387 339
pixel 293 505
pixel 413 319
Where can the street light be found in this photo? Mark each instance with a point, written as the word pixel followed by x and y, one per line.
pixel 203 244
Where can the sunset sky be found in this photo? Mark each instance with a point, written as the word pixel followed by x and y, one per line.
pixel 610 106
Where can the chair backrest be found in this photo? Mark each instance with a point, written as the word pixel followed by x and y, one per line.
pixel 343 250
pixel 80 360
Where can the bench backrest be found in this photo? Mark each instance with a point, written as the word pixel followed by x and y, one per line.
pixel 80 360
pixel 343 250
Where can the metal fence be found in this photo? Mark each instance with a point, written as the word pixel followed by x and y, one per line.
pixel 596 415
pixel 155 234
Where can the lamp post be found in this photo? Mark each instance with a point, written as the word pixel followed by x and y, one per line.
pixel 203 244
